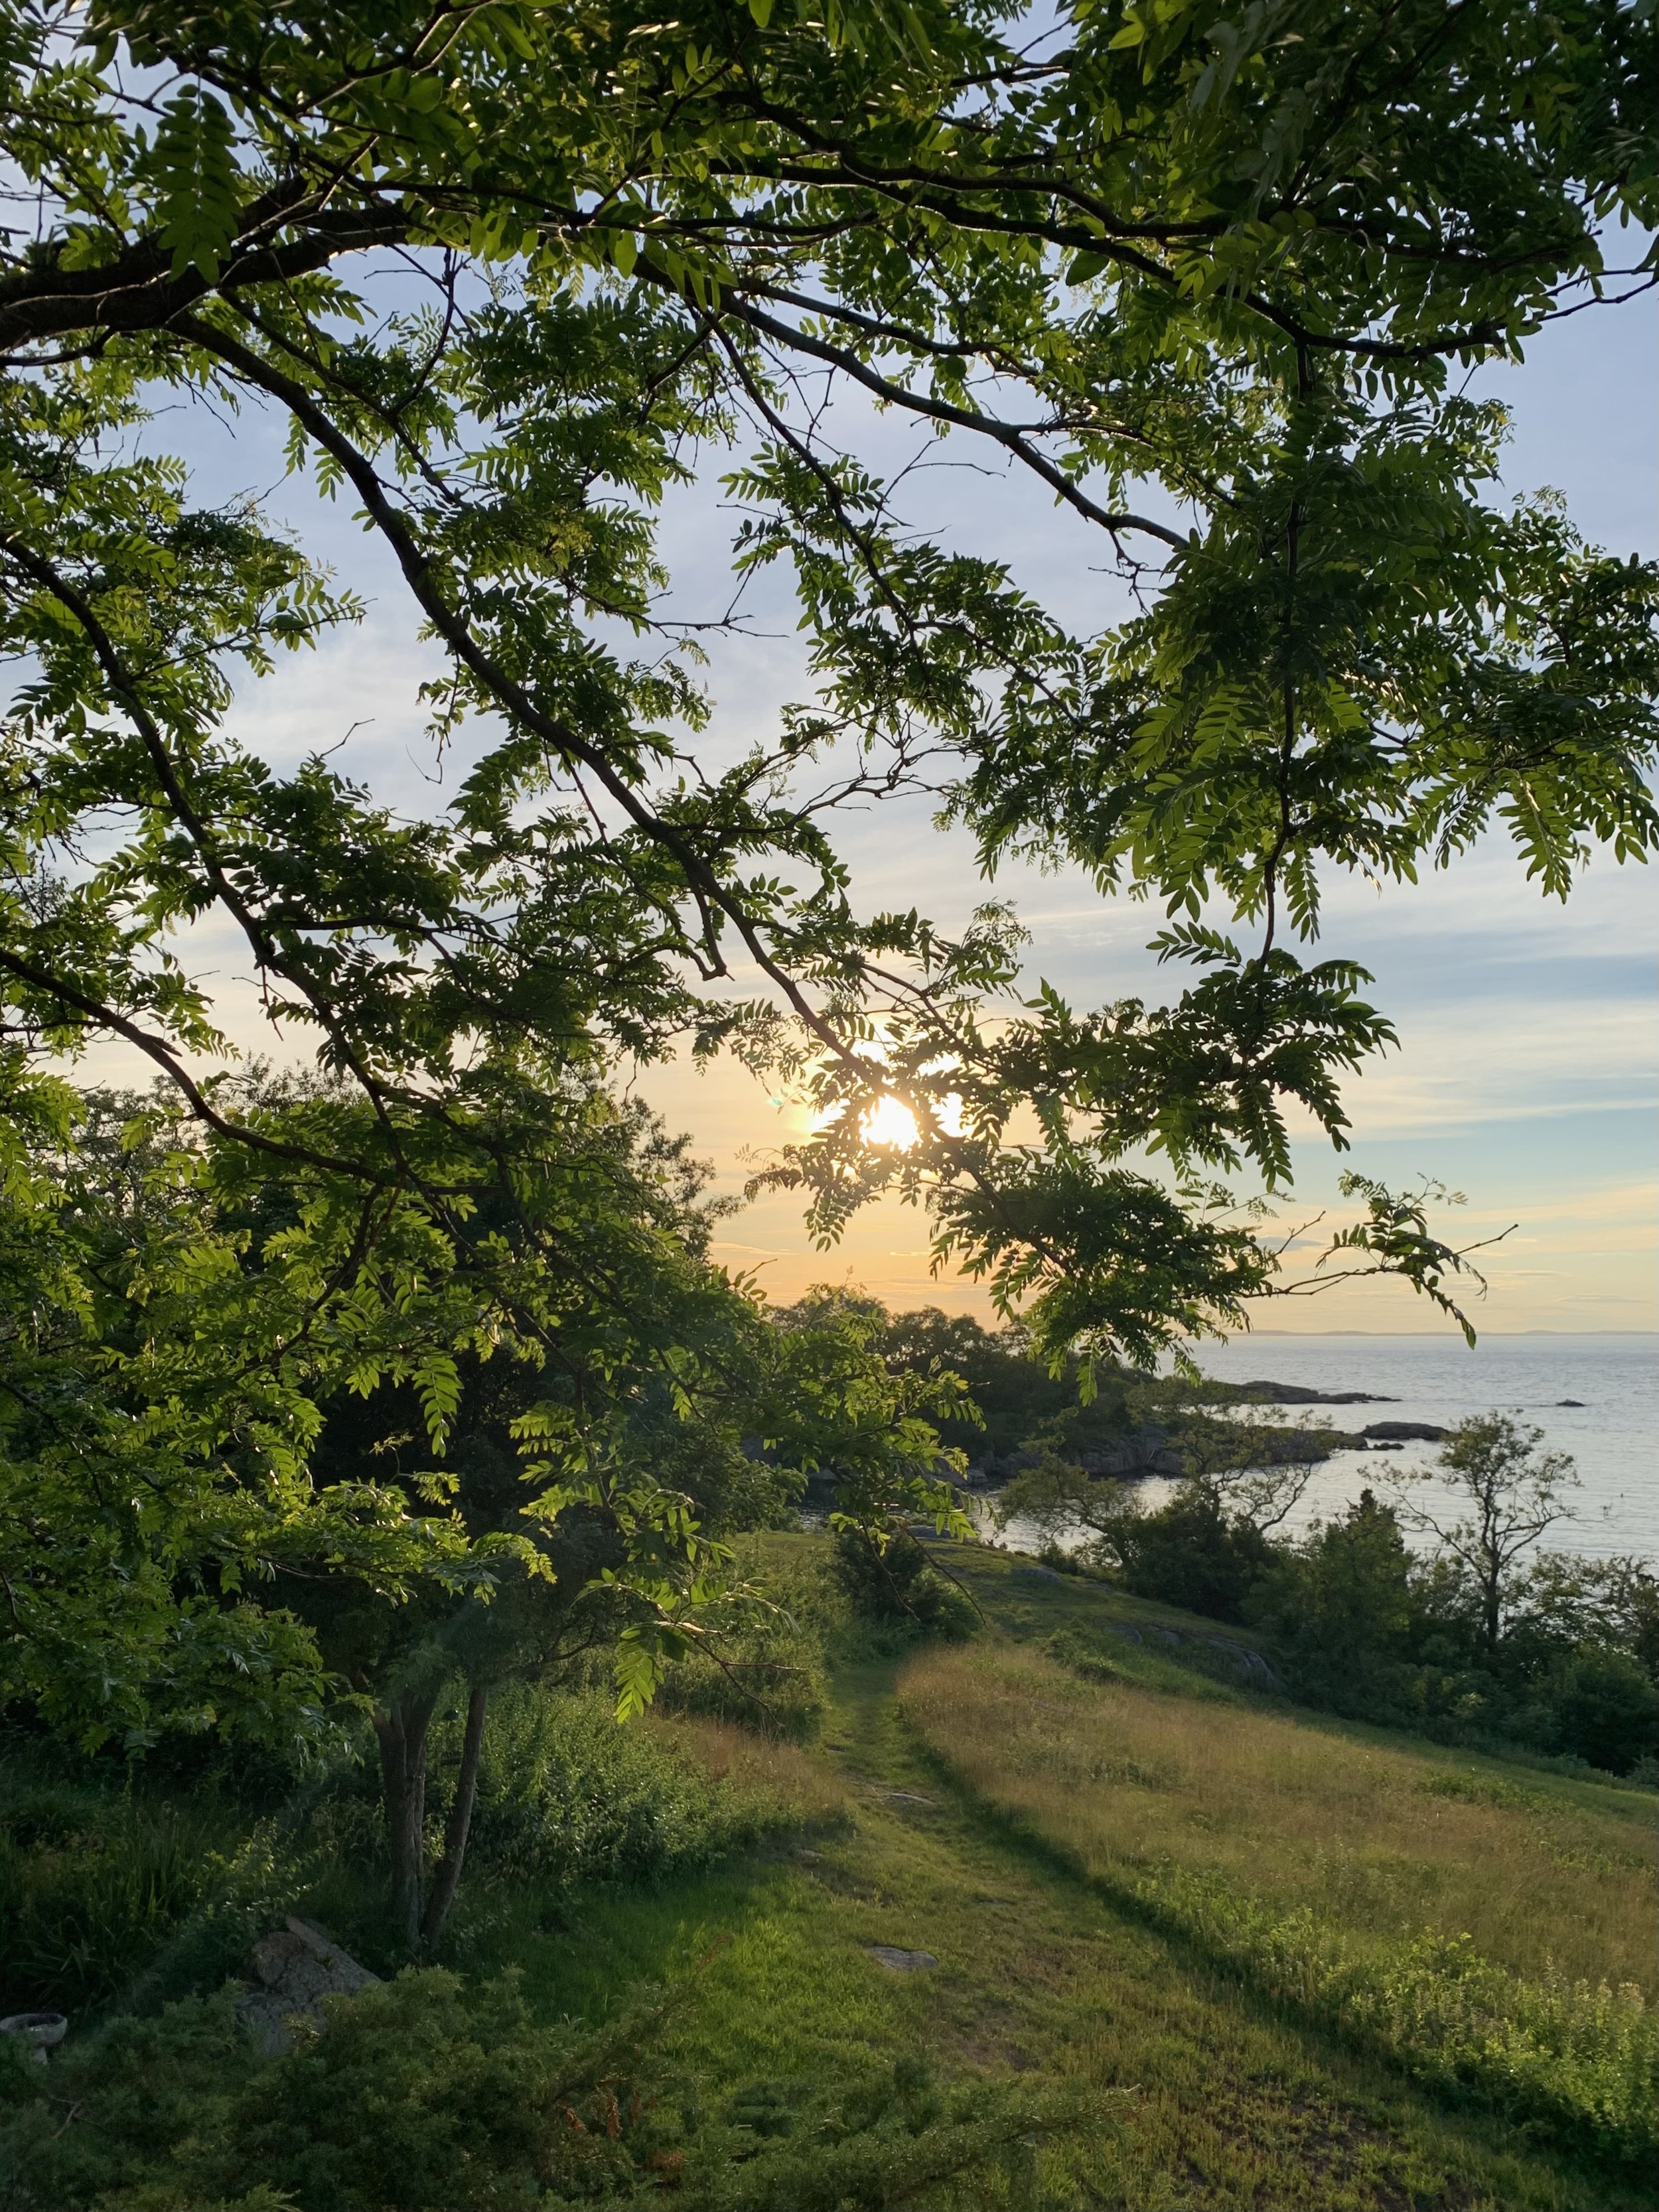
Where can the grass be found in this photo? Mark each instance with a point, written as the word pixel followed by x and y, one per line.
pixel 1196 2091
pixel 1142 1783
pixel 1487 1931
pixel 118 1890
pixel 977 1803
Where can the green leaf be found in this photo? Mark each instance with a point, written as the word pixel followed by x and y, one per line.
pixel 197 206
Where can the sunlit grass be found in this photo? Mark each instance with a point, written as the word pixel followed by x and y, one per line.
pixel 787 1780
pixel 1487 1930
pixel 1383 1839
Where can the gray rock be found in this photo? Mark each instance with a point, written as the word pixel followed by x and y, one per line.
pixel 1144 1451
pixel 1122 1628
pixel 1038 1574
pixel 1570 1401
pixel 900 1962
pixel 1251 1661
pixel 1297 1393
pixel 1404 1432
pixel 1167 1635
pixel 298 1966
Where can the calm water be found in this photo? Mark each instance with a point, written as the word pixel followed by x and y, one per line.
pixel 1611 1438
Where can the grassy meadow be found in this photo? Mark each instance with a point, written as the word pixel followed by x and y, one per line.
pixel 1194 1952
pixel 1552 1881
pixel 1487 1937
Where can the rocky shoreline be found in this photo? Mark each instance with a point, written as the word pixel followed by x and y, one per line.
pixel 1152 1450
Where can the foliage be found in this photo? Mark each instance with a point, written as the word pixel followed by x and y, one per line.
pixel 1514 1495
pixel 497 278
pixel 122 1888
pixel 1600 1705
pixel 427 2091
pixel 93 1881
pixel 1011 1390
pixel 567 1794
pixel 1342 1607
pixel 1580 2059
pixel 768 1674
pixel 1190 1553
pixel 897 1584
pixel 515 1432
pixel 1360 1623
pixel 498 283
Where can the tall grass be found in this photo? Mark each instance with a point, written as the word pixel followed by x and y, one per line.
pixel 568 1794
pixel 124 1888
pixel 93 1883
pixel 1488 1938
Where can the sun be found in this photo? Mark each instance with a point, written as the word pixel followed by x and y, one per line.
pixel 890 1123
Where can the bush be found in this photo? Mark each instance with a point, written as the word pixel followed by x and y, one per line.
pixel 428 2095
pixel 1606 1710
pixel 1190 1554
pixel 108 1881
pixel 567 1793
pixel 897 1586
pixel 770 1673
pixel 111 1888
pixel 420 2093
pixel 92 1882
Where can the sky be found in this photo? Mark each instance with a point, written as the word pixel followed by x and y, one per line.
pixel 1525 1077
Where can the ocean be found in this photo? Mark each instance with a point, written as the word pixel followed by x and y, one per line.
pixel 1611 1435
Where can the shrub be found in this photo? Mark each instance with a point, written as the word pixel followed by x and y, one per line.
pixel 1604 1709
pixel 427 2094
pixel 1189 1554
pixel 897 1585
pixel 567 1793
pixel 770 1673
pixel 107 1880
pixel 92 1882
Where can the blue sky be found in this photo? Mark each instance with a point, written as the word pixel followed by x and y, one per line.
pixel 1526 1071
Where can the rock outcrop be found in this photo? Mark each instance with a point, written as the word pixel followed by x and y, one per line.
pixel 1298 1393
pixel 298 1966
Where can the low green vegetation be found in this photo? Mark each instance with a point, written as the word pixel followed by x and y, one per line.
pixel 118 1883
pixel 1403 1904
pixel 1191 1946
pixel 1477 1633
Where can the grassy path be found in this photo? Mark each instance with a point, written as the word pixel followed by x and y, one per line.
pixel 1204 2098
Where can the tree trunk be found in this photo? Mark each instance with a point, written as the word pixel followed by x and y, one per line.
pixel 460 1820
pixel 402 1729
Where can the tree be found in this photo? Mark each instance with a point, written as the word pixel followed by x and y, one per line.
pixel 1513 1495
pixel 500 274
pixel 871 1417
pixel 253 1483
pixel 630 245
pixel 1342 1601
pixel 1013 1391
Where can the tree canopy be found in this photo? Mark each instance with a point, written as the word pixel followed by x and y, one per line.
pixel 507 277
